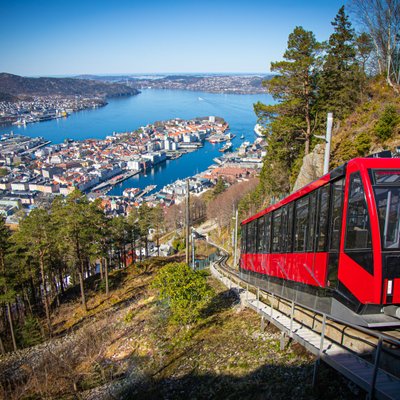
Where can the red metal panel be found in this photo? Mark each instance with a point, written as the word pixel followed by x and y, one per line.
pixel 295 267
pixel 396 291
pixel 310 268
pixel 357 280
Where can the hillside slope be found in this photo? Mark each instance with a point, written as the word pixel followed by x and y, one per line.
pixel 125 347
pixel 358 135
pixel 15 85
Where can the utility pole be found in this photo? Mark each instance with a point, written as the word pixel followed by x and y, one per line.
pixel 328 142
pixel 187 221
pixel 193 251
pixel 327 139
pixel 236 239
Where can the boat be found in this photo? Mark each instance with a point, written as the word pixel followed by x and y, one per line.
pixel 217 138
pixel 227 146
pixel 258 130
pixel 242 137
pixel 130 192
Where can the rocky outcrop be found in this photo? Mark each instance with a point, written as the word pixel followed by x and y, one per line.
pixel 312 168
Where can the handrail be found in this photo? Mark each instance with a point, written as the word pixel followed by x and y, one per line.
pixel 368 331
pixel 372 384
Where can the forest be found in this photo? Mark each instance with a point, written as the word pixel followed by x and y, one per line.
pixel 355 75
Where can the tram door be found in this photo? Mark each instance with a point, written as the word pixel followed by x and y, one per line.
pixel 335 225
pixel 356 257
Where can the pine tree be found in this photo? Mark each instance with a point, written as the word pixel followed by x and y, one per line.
pixel 290 121
pixel 36 237
pixel 7 292
pixel 340 78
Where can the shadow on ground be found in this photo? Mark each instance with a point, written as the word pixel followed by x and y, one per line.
pixel 273 382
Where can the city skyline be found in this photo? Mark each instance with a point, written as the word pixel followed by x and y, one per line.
pixel 95 37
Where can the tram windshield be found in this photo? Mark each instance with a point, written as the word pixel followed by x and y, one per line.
pixel 387 196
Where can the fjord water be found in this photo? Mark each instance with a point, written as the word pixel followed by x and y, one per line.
pixel 128 113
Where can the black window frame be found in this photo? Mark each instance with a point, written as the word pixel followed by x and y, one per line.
pixel 290 227
pixel 296 223
pixel 276 246
pixel 324 246
pixel 267 227
pixel 312 222
pixel 260 234
pixel 331 210
pixel 348 216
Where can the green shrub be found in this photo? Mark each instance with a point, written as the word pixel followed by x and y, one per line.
pixel 30 332
pixel 178 244
pixel 362 144
pixel 384 128
pixel 184 291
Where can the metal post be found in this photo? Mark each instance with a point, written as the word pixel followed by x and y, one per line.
pixel 272 305
pixel 262 323
pixel 291 319
pixel 193 251
pixel 328 142
pixel 376 367
pixel 187 220
pixel 282 344
pixel 321 346
pixel 235 239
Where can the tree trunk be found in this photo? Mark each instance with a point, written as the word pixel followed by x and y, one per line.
pixel 308 117
pixel 55 289
pixel 146 250
pixel 2 349
pixel 81 284
pixel 44 296
pixel 101 269
pixel 106 274
pixel 61 279
pixel 124 254
pixel 28 301
pixel 10 321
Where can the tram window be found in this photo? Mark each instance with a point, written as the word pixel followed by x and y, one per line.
pixel 289 235
pixel 358 234
pixel 388 204
pixel 284 220
pixel 336 214
pixel 301 224
pixel 311 221
pixel 243 238
pixel 254 242
pixel 276 231
pixel 267 227
pixel 322 226
pixel 250 237
pixel 261 234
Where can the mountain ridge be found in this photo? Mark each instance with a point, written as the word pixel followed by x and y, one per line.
pixel 18 86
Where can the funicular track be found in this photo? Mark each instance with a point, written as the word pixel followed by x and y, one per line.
pixel 369 358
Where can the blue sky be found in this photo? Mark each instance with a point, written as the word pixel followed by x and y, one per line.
pixel 57 37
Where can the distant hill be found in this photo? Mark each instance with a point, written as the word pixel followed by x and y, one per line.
pixel 212 83
pixel 14 85
pixel 8 97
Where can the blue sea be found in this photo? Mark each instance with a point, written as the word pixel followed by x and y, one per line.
pixel 128 113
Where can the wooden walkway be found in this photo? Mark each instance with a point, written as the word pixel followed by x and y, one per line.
pixel 377 383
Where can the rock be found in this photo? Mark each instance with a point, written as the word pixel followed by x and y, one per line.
pixel 312 168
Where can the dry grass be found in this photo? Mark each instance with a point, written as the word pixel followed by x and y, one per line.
pixel 125 347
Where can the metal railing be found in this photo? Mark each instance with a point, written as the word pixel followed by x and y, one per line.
pixel 382 339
